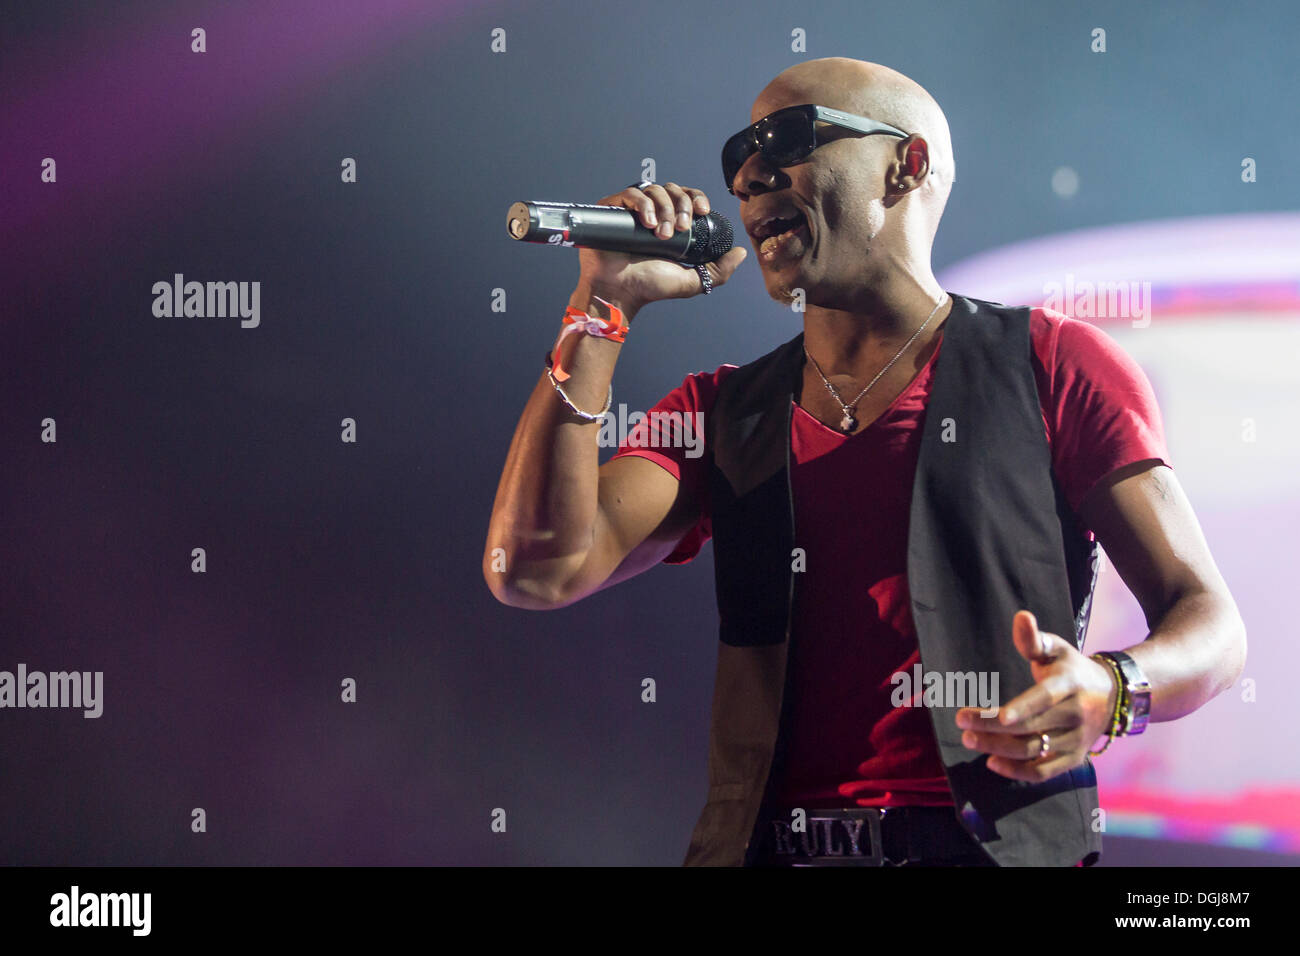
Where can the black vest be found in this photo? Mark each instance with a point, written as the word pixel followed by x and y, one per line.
pixel 989 533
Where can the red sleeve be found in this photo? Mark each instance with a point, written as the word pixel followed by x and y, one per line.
pixel 661 436
pixel 1098 405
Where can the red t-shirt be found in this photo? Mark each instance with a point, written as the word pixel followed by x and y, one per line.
pixel 852 626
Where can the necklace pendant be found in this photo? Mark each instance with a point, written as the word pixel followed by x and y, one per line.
pixel 848 423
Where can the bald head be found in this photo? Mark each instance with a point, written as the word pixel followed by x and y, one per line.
pixel 877 92
pixel 870 204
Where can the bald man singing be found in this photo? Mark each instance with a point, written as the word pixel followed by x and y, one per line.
pixel 906 503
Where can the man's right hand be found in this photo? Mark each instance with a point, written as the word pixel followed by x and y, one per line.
pixel 632 282
pixel 563 525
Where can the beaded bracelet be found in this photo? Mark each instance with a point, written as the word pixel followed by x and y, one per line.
pixel 1115 717
pixel 550 374
pixel 575 320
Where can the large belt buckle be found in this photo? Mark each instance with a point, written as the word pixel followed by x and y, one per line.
pixel 824 826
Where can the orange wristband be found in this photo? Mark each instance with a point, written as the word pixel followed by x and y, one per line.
pixel 575 320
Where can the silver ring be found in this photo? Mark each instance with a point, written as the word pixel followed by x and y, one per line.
pixel 1044 745
pixel 705 279
pixel 641 185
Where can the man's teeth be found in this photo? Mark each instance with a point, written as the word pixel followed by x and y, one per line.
pixel 783 224
pixel 773 243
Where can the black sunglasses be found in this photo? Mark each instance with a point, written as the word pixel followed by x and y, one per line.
pixel 789 135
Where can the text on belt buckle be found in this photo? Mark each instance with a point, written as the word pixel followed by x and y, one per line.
pixel 831 837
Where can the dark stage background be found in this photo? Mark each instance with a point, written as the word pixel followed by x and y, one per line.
pixel 328 560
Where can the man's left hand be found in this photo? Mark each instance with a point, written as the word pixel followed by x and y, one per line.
pixel 1071 701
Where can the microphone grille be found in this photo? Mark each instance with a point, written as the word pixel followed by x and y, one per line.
pixel 711 238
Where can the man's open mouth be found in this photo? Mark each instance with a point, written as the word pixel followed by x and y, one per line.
pixel 782 236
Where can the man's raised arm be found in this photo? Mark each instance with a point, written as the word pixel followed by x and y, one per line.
pixel 563 526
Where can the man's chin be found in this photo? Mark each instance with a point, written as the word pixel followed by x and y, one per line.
pixel 786 290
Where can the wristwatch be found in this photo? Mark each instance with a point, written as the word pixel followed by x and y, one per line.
pixel 1135 694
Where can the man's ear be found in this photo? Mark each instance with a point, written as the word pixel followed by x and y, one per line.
pixel 914 164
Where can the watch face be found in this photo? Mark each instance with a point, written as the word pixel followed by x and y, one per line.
pixel 1140 711
pixel 1137 694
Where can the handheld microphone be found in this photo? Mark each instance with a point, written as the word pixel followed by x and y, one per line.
pixel 615 229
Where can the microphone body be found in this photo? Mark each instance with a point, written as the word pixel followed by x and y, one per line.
pixel 614 229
